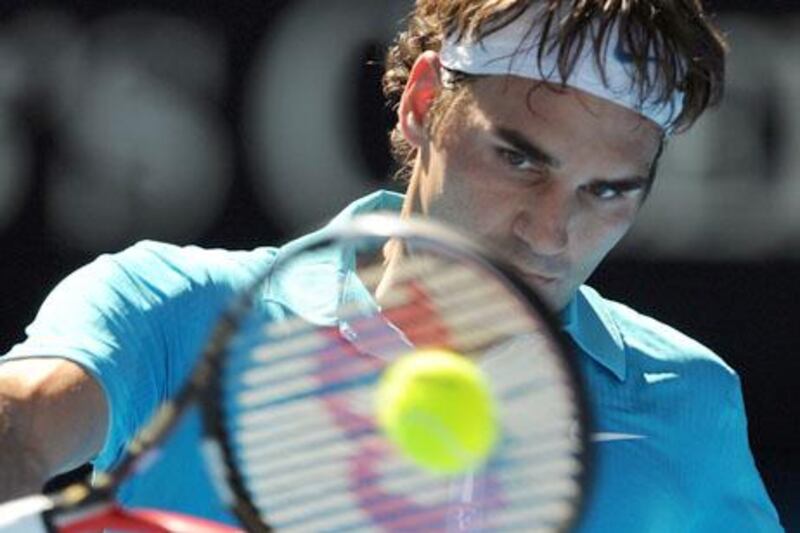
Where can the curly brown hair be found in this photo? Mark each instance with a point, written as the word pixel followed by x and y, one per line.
pixel 689 50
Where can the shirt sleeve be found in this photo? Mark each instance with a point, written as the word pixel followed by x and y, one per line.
pixel 136 321
pixel 739 499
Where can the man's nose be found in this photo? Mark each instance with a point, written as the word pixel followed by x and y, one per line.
pixel 543 222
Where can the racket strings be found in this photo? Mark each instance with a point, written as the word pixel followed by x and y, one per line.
pixel 374 334
pixel 306 439
pixel 281 361
pixel 519 384
pixel 287 379
pixel 478 311
pixel 449 285
pixel 518 464
pixel 338 512
pixel 304 445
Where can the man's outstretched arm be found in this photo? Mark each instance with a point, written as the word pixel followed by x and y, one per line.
pixel 53 417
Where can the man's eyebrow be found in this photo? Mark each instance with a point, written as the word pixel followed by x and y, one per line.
pixel 519 142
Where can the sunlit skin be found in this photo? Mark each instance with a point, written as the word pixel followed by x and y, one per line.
pixel 554 178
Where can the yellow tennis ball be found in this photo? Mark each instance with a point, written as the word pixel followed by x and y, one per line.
pixel 436 407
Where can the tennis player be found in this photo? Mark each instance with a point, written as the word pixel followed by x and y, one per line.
pixel 535 124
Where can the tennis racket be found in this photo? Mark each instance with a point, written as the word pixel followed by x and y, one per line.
pixel 286 387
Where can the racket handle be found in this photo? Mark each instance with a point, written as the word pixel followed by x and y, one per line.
pixel 141 521
pixel 25 515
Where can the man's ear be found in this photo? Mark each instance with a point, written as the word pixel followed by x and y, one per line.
pixel 418 96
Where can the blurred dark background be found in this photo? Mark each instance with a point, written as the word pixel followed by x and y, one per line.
pixel 211 122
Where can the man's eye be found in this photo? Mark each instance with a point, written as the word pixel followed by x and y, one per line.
pixel 515 159
pixel 605 191
pixel 613 191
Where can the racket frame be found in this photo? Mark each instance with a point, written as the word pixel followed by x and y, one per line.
pixel 376 226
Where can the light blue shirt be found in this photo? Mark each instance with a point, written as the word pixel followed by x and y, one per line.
pixel 670 433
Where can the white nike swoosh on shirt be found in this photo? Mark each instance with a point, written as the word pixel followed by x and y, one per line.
pixel 608 436
pixel 656 377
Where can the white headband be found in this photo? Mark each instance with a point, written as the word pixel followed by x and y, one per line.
pixel 514 50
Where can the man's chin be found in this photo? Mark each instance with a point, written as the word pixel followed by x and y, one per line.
pixel 551 293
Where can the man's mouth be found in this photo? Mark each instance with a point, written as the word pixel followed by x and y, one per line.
pixel 538 277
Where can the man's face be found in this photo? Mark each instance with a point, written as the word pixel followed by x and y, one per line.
pixel 553 178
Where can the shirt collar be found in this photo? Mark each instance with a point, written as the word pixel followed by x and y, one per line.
pixel 372 203
pixel 590 325
pixel 321 280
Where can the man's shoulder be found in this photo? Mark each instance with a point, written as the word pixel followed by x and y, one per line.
pixel 150 274
pixel 653 345
pixel 166 263
pixel 164 254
